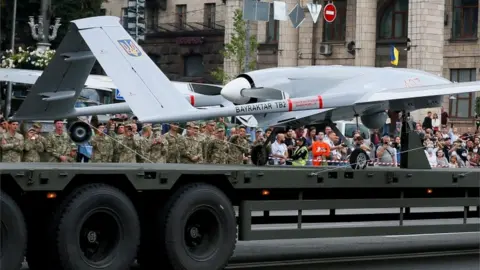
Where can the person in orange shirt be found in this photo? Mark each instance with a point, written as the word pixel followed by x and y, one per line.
pixel 320 151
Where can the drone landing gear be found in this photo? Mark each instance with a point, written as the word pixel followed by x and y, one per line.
pixel 358 158
pixel 259 153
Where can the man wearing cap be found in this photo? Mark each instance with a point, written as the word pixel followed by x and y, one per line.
pixel 72 156
pixel 208 136
pixel 3 129
pixel 239 147
pixel 127 147
pixel 218 148
pixel 103 146
pixel 118 137
pixel 37 126
pixel 33 146
pixel 145 143
pixel 158 150
pixel 194 153
pixel 58 143
pixel 12 144
pixel 176 144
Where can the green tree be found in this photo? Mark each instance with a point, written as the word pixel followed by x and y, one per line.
pixel 477 106
pixel 235 50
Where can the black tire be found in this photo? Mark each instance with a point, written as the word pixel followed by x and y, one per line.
pixel 208 209
pixel 259 155
pixel 80 132
pixel 13 234
pixel 97 213
pixel 359 159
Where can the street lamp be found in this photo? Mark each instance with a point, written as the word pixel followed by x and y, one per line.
pixel 41 33
pixel 8 98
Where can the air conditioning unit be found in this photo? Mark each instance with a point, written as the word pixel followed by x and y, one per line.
pixel 326 49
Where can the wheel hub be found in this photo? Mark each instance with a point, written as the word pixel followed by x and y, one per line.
pixel 194 232
pixel 92 237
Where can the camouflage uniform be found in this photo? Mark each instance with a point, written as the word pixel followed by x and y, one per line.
pixel 218 151
pixel 102 149
pixel 176 147
pixel 72 156
pixel 2 132
pixel 206 138
pixel 117 139
pixel 57 146
pixel 239 146
pixel 127 148
pixel 193 147
pixel 12 151
pixel 33 148
pixel 158 151
pixel 145 145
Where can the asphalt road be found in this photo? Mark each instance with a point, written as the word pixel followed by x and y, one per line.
pixel 332 253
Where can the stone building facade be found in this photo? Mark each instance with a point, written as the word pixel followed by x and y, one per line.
pixel 438 36
pixel 183 37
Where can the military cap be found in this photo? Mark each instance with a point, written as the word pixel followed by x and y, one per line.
pixel 211 122
pixel 259 130
pixel 74 147
pixel 220 128
pixel 146 128
pixel 195 125
pixel 190 124
pixel 202 123
pixel 242 126
pixel 37 125
pixel 175 123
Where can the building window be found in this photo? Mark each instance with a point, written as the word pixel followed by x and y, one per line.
pixel 464 104
pixel 393 23
pixel 193 66
pixel 181 13
pixel 465 19
pixel 209 15
pixel 273 28
pixel 103 11
pixel 335 31
pixel 125 18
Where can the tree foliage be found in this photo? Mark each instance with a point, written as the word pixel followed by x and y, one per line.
pixel 235 50
pixel 477 106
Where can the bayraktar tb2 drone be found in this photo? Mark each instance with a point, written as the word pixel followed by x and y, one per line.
pixel 293 95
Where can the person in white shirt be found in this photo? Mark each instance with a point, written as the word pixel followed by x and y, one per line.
pixel 279 150
pixel 431 155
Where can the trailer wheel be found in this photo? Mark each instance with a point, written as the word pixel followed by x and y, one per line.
pixel 359 159
pixel 97 228
pixel 200 228
pixel 13 238
pixel 259 155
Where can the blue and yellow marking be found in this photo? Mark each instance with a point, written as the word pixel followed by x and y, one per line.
pixel 130 48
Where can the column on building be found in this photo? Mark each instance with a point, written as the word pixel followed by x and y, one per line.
pixel 366 32
pixel 426 32
pixel 288 40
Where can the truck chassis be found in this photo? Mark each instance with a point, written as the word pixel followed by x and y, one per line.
pixel 86 216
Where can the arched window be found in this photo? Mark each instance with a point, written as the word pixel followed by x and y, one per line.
pixel 393 23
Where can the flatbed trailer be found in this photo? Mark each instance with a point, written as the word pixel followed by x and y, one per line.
pixel 181 216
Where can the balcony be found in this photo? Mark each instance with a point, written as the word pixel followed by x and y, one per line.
pixel 173 30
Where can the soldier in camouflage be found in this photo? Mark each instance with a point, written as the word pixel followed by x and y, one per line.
pixel 33 146
pixel 158 150
pixel 208 136
pixel 239 147
pixel 3 129
pixel 145 143
pixel 38 130
pixel 176 144
pixel 58 143
pixel 103 146
pixel 193 146
pixel 72 156
pixel 117 138
pixel 128 147
pixel 12 144
pixel 218 148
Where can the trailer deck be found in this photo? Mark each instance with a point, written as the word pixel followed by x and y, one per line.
pixel 184 215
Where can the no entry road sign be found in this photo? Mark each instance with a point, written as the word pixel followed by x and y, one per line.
pixel 329 12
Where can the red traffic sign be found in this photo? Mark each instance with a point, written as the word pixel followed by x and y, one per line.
pixel 329 12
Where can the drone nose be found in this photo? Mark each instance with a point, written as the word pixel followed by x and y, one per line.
pixel 232 91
